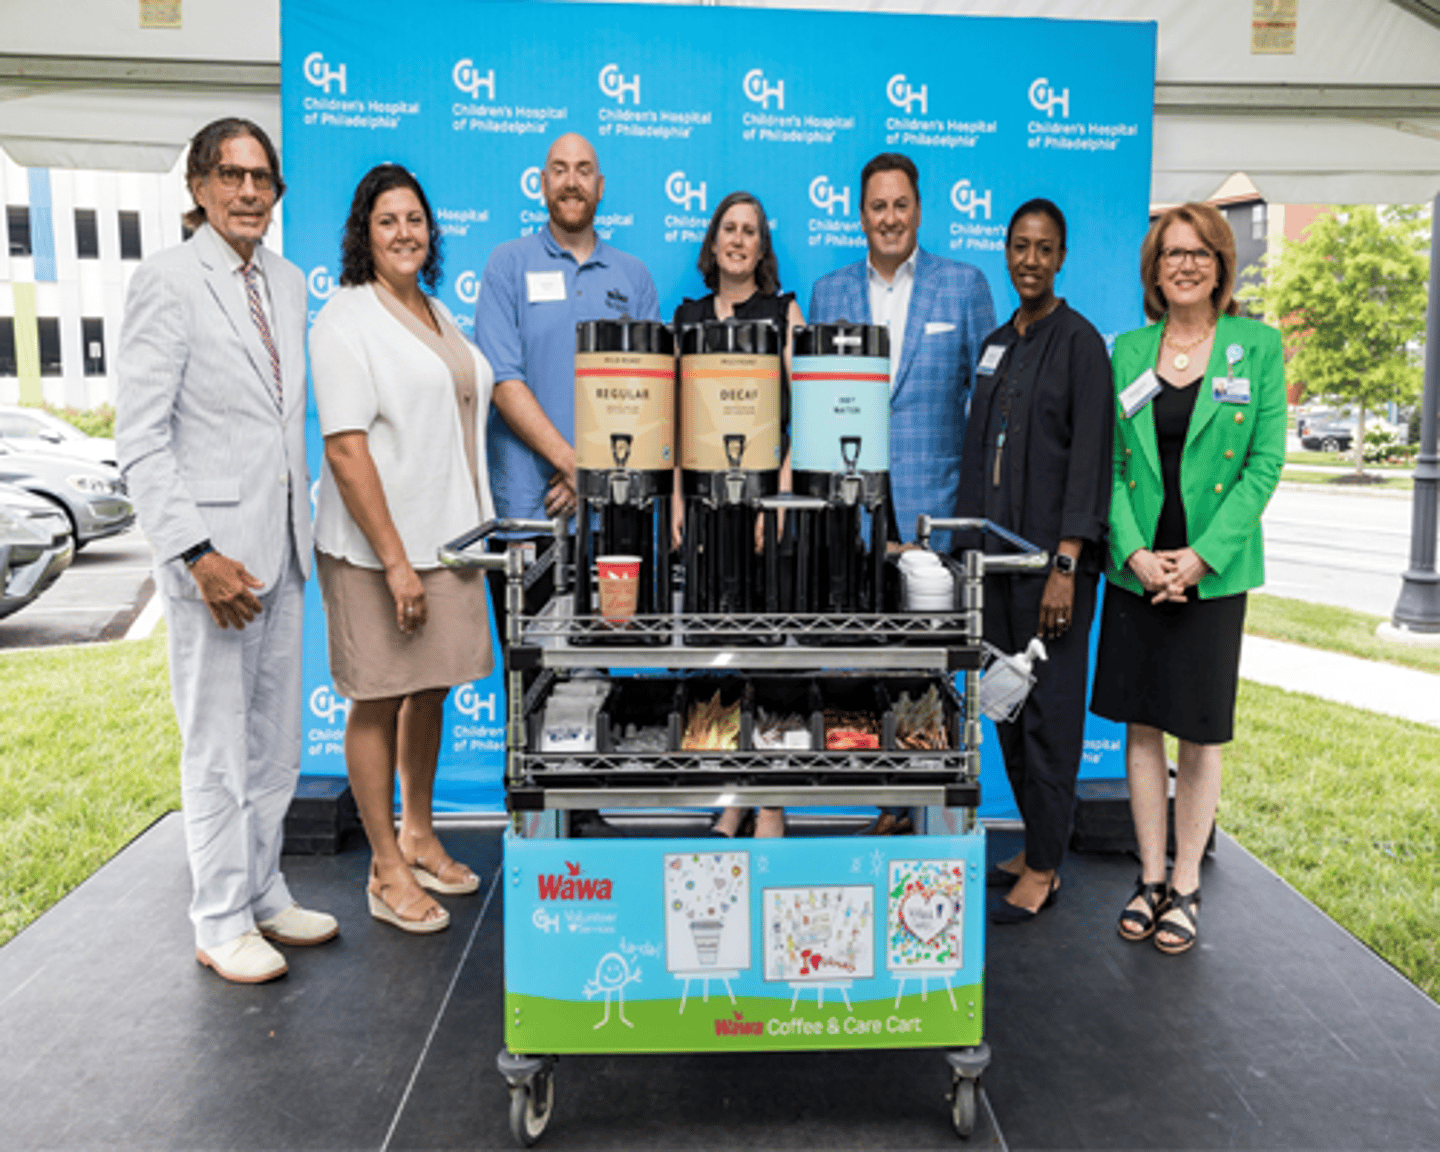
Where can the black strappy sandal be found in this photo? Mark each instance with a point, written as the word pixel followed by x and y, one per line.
pixel 1136 925
pixel 1188 905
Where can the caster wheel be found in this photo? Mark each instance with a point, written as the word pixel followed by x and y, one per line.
pixel 530 1105
pixel 963 1101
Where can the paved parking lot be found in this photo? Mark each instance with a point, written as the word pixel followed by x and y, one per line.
pixel 98 597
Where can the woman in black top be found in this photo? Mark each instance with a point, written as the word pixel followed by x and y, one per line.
pixel 1037 462
pixel 738 264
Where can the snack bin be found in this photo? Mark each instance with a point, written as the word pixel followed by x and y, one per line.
pixel 665 943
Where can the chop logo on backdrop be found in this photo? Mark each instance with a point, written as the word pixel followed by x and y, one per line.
pixel 467 288
pixel 825 195
pixel 321 286
pixel 320 74
pixel 905 95
pixel 468 79
pixel 681 191
pixel 326 705
pixel 757 90
pixel 615 85
pixel 530 185
pixel 1044 98
pixel 968 200
pixel 467 700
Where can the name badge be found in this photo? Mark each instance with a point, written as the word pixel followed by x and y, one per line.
pixel 1143 389
pixel 542 287
pixel 1230 389
pixel 994 353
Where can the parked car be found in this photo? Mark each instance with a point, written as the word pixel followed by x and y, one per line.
pixel 1327 436
pixel 35 547
pixel 34 429
pixel 92 496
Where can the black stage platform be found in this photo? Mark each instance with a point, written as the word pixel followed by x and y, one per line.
pixel 1280 1031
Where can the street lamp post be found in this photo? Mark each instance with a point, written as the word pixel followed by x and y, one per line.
pixel 1418 608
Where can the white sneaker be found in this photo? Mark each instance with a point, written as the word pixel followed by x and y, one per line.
pixel 245 960
pixel 296 925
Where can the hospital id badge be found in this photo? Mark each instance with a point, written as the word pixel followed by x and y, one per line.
pixel 994 353
pixel 543 287
pixel 1143 389
pixel 1230 389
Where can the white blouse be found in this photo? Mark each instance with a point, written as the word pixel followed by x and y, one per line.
pixel 371 374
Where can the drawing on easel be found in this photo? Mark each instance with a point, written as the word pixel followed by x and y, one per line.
pixel 819 938
pixel 925 923
pixel 707 918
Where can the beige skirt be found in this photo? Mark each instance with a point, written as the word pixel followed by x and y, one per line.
pixel 371 659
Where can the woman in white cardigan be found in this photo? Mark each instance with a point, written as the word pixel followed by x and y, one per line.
pixel 401 395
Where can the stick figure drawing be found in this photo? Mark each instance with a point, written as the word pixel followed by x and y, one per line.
pixel 611 975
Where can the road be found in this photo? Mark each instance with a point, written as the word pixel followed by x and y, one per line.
pixel 1337 548
pixel 96 598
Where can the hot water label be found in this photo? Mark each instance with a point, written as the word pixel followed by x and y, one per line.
pixel 625 394
pixel 724 396
pixel 835 400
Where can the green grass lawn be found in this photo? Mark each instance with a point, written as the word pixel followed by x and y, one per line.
pixel 1390 486
pixel 89 757
pixel 1334 629
pixel 1344 804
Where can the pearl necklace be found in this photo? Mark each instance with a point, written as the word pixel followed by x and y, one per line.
pixel 1181 359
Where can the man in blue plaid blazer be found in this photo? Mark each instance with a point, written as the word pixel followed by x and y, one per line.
pixel 938 311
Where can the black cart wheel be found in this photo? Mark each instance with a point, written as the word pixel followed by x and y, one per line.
pixel 531 1103
pixel 963 1098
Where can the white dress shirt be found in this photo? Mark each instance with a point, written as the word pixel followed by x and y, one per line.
pixel 890 304
pixel 235 263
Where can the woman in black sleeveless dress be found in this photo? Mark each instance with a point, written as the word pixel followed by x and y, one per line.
pixel 738 264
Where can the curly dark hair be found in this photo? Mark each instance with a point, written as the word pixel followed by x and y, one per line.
pixel 767 268
pixel 1038 207
pixel 204 157
pixel 357 264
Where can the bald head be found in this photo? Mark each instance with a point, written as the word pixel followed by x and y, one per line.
pixel 572 185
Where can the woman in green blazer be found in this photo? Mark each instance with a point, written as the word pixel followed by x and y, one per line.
pixel 1199 444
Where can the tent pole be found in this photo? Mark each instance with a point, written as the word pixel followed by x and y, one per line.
pixel 1418 608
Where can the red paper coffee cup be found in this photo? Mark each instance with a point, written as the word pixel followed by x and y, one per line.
pixel 619 585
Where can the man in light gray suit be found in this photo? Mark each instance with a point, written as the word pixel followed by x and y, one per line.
pixel 210 430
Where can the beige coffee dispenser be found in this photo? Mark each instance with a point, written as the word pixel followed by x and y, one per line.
pixel 625 453
pixel 730 400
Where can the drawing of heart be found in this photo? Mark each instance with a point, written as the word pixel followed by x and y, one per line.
pixel 927 915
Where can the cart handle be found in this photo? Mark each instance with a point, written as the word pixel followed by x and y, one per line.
pixel 1031 558
pixel 457 553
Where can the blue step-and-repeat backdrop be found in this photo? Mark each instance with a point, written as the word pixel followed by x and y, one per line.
pixel 683 105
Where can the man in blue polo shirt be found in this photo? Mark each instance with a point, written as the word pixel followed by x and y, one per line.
pixel 535 290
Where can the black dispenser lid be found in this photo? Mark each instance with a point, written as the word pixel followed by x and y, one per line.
pixel 649 336
pixel 842 339
pixel 747 337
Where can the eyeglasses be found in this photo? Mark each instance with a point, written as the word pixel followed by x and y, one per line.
pixel 232 176
pixel 1203 257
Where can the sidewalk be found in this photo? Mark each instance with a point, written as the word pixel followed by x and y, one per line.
pixel 1404 692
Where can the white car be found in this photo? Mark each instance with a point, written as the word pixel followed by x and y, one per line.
pixel 34 429
pixel 35 547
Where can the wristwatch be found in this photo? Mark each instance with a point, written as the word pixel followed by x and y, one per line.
pixel 1064 564
pixel 190 555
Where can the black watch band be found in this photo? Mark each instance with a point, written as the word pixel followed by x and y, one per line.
pixel 190 555
pixel 1064 564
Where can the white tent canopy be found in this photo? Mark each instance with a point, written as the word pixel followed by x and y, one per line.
pixel 1352 116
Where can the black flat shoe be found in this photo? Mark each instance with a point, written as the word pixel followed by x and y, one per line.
pixel 999 878
pixel 1003 912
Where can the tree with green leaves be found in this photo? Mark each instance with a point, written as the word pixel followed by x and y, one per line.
pixel 1349 299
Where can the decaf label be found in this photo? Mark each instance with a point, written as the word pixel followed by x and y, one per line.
pixel 725 396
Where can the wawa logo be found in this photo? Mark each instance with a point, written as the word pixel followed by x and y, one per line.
pixel 738 1026
pixel 573 886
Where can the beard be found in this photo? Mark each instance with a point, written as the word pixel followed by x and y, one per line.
pixel 572 210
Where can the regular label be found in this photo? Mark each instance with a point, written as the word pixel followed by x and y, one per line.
pixel 624 411
pixel 729 396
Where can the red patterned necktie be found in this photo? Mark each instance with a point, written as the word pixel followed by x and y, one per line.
pixel 257 314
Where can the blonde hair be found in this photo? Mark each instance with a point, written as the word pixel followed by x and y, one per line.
pixel 1214 232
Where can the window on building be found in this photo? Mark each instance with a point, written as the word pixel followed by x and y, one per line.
pixel 1257 222
pixel 17 219
pixel 49 345
pixel 130 236
pixel 87 236
pixel 7 347
pixel 92 335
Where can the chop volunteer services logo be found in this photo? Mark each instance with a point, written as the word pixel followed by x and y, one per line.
pixel 904 95
pixel 615 86
pixel 469 79
pixel 320 74
pixel 758 91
